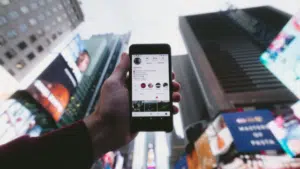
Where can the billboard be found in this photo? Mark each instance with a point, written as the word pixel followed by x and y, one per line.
pixel 53 88
pixel 21 115
pixel 286 129
pixel 282 57
pixel 241 140
pixel 250 132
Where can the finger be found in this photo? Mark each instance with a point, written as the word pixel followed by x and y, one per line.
pixel 176 97
pixel 122 68
pixel 175 109
pixel 173 75
pixel 176 86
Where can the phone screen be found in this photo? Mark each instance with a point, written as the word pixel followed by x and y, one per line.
pixel 150 85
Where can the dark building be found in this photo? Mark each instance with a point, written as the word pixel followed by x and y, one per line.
pixel 29 29
pixel 224 49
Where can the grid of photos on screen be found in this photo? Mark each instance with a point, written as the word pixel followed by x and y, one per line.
pixel 150 106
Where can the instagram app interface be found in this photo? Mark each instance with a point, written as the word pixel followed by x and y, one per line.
pixel 150 85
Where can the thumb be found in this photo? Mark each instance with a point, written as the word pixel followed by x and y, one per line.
pixel 122 68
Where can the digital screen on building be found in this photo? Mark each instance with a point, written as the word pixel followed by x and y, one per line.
pixel 241 140
pixel 20 115
pixel 77 56
pixel 250 132
pixel 53 88
pixel 282 57
pixel 286 129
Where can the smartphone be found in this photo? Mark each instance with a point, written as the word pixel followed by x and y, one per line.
pixel 150 87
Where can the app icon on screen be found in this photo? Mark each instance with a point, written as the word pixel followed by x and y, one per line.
pixel 143 85
pixel 137 61
pixel 157 85
pixel 150 85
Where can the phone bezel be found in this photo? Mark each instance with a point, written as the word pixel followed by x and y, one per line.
pixel 145 123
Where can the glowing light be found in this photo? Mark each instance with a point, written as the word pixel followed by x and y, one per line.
pixel 177 122
pixel 139 151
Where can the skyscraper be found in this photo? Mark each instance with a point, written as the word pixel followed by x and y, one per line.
pixel 29 29
pixel 224 50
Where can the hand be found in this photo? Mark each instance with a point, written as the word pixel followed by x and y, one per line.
pixel 109 125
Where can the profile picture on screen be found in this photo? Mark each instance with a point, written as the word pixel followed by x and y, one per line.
pixel 165 85
pixel 157 85
pixel 137 61
pixel 150 85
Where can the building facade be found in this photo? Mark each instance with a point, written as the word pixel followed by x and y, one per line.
pixel 224 50
pixel 30 29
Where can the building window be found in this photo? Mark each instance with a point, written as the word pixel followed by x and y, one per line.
pixel 70 11
pixel 12 15
pixel 24 9
pixel 11 53
pixel 48 41
pixel 11 72
pixel 2 41
pixel 59 19
pixel 48 13
pixel 31 56
pixel 33 6
pixel 54 9
pixel 32 38
pixel 74 19
pixel 4 2
pixel 47 28
pixel 1 62
pixel 41 2
pixel 22 45
pixel 41 17
pixel 60 7
pixel 23 28
pixel 40 48
pixel 40 33
pixel 32 21
pixel 3 20
pixel 20 65
pixel 59 32
pixel 54 36
pixel 11 34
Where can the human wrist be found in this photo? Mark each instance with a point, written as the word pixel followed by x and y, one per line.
pixel 98 133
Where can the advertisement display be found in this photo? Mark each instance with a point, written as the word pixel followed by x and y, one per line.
pixel 21 115
pixel 151 163
pixel 53 88
pixel 15 121
pixel 249 130
pixel 243 140
pixel 77 56
pixel 84 55
pixel 181 162
pixel 203 158
pixel 286 129
pixel 110 160
pixel 282 57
